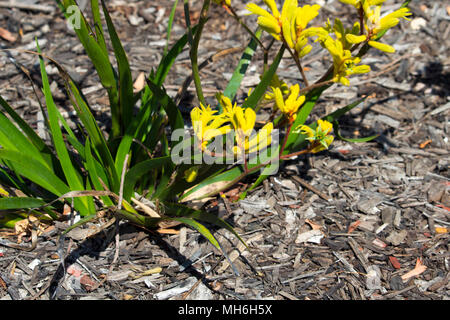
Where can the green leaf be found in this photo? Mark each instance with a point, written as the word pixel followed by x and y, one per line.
pixel 20 203
pixel 338 135
pixel 11 138
pixel 99 59
pixel 8 220
pixel 99 144
pixel 135 173
pixel 40 145
pixel 80 223
pixel 169 25
pixel 99 34
pixel 35 171
pixel 72 176
pixel 302 116
pixel 253 100
pixel 200 228
pixel 184 211
pixel 238 74
pixel 95 172
pixel 175 118
pixel 125 79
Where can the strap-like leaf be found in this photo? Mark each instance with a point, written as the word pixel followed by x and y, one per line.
pixel 260 90
pixel 238 74
pixel 72 176
pixel 35 171
pixel 125 79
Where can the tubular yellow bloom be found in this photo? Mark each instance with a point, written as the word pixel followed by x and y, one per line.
pixel 382 46
pixel 304 15
pixel 354 38
pixel 207 125
pixel 343 62
pixel 191 174
pixel 289 106
pixel 276 83
pixel 244 121
pixel 321 135
pixel 357 3
pixel 375 24
pixel 257 142
pixel 271 23
pixel 290 25
pixel 223 2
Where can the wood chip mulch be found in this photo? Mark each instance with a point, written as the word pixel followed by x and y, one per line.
pixel 361 221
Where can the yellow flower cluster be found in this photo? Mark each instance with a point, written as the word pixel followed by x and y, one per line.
pixel 343 62
pixel 375 24
pixel 289 107
pixel 288 26
pixel 207 125
pixel 320 137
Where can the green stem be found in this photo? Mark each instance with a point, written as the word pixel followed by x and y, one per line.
pixel 187 18
pixel 298 63
pixel 286 136
pixel 194 51
pixel 243 24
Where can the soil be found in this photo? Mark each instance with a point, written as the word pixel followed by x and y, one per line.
pixel 349 223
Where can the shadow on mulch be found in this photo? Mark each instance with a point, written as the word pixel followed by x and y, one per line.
pixel 93 246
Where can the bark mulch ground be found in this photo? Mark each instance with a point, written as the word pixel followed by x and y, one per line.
pixel 366 221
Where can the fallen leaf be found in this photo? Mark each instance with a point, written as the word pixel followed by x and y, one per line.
pixel 441 230
pixel 8 36
pixel 353 226
pixel 394 262
pixel 74 270
pixel 418 269
pixel 87 282
pixel 313 225
pixel 127 296
pixel 343 151
pixel 377 242
pixel 425 143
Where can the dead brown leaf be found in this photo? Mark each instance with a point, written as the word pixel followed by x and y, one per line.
pixel 8 36
pixel 418 269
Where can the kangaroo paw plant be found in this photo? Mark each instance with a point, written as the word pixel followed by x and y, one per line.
pixel 147 167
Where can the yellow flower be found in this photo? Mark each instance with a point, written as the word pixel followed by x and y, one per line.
pixel 256 142
pixel 357 3
pixel 375 24
pixel 191 174
pixel 290 25
pixel 289 106
pixel 207 125
pixel 276 83
pixel 243 121
pixel 223 2
pixel 343 62
pixel 320 137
